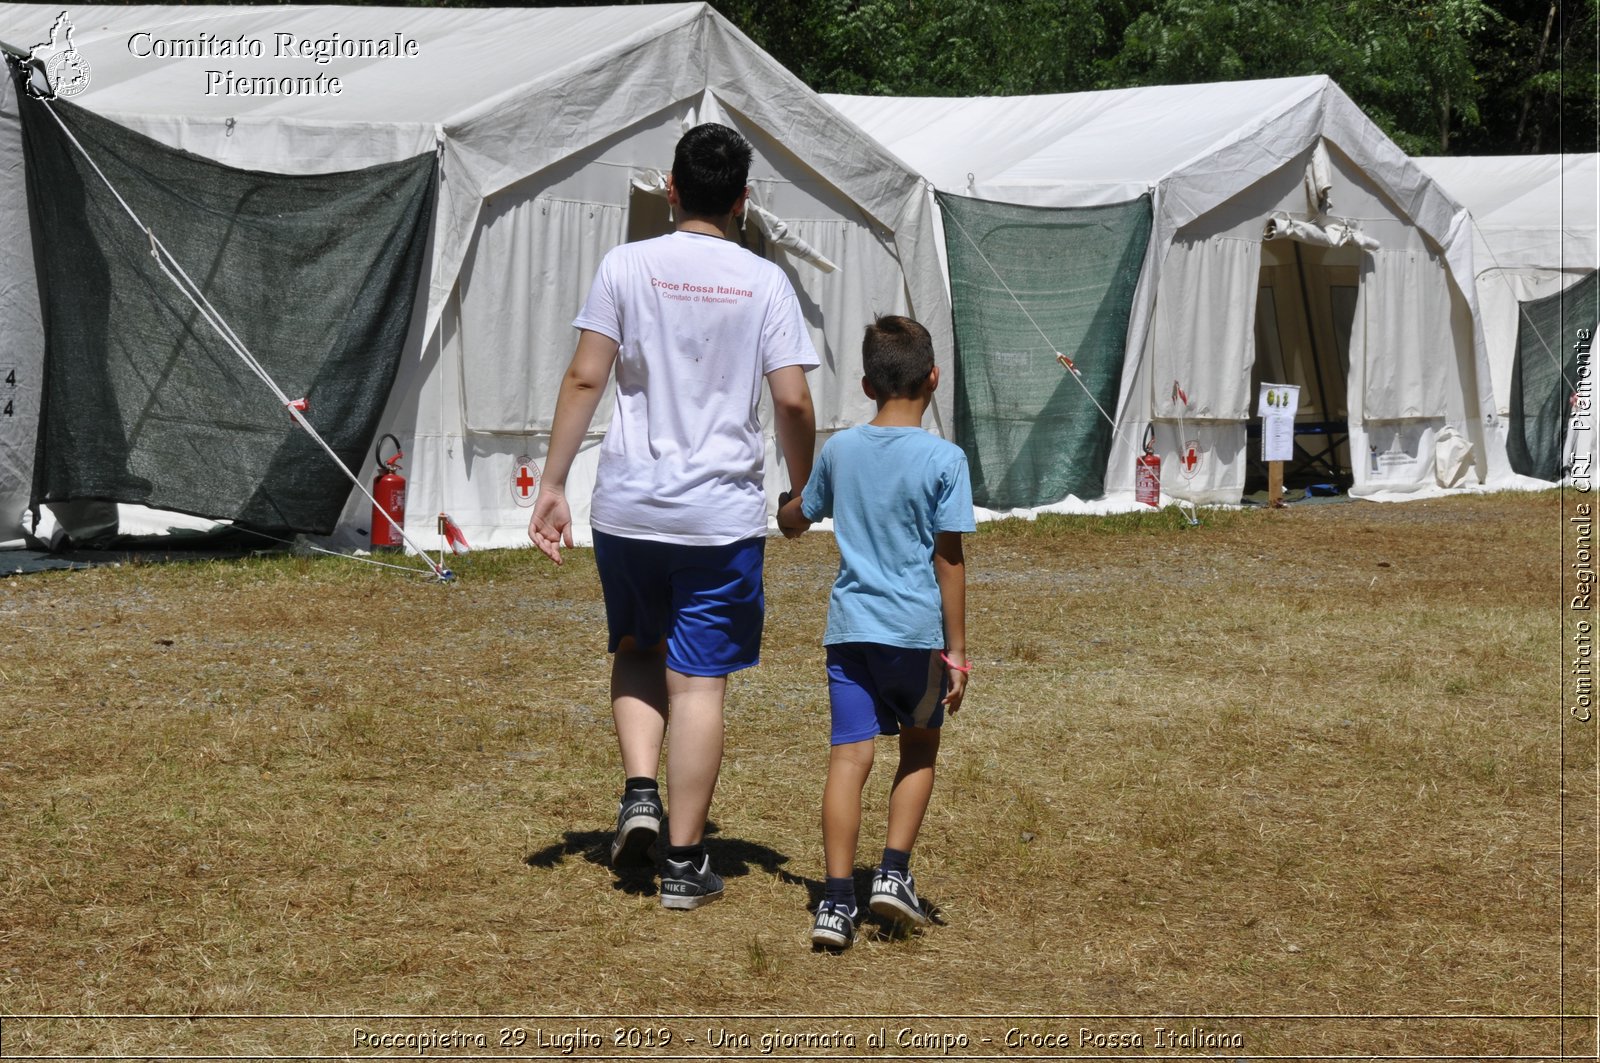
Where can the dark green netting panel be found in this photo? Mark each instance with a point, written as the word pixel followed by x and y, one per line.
pixel 1544 375
pixel 142 401
pixel 1025 283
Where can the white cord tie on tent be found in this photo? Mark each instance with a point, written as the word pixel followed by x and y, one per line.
pixel 197 298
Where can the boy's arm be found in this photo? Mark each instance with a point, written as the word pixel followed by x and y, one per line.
pixel 795 424
pixel 950 569
pixel 581 388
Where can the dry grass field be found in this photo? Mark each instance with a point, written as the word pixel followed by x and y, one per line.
pixel 1291 778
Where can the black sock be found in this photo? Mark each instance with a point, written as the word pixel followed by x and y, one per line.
pixel 638 782
pixel 841 891
pixel 896 860
pixel 687 854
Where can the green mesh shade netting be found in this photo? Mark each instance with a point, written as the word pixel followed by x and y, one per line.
pixel 142 401
pixel 1543 376
pixel 1025 283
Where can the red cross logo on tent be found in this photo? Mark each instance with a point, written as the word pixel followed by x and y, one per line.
pixel 1190 458
pixel 525 482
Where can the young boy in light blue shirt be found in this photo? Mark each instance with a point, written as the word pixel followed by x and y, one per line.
pixel 900 498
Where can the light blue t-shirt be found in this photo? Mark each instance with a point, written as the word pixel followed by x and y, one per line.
pixel 890 491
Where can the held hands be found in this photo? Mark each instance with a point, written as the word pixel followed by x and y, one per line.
pixel 791 521
pixel 550 527
pixel 956 670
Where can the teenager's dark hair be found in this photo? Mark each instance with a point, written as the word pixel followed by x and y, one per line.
pixel 710 169
pixel 896 356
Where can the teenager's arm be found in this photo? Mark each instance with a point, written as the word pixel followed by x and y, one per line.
pixel 581 388
pixel 791 517
pixel 795 423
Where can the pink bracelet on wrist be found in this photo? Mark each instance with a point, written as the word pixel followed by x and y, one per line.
pixel 958 667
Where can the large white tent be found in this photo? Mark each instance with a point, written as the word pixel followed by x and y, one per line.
pixel 1535 232
pixel 1378 266
pixel 551 126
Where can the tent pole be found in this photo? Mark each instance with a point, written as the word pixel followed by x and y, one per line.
pixel 1316 355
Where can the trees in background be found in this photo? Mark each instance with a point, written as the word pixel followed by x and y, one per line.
pixel 1439 76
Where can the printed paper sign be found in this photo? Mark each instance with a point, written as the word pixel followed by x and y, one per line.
pixel 1277 406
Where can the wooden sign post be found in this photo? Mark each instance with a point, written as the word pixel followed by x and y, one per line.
pixel 1277 408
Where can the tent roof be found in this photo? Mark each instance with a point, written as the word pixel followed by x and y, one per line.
pixel 1194 146
pixel 1531 210
pixel 516 89
pixel 1116 143
pixel 464 57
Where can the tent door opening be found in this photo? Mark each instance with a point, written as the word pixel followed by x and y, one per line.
pixel 649 215
pixel 1305 310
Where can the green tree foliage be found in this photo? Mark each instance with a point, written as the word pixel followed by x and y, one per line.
pixel 930 47
pixel 1409 65
pixel 1439 76
pixel 1538 68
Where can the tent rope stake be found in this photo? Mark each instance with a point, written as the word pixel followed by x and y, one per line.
pixel 295 407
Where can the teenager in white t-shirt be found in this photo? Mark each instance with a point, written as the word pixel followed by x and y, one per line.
pixel 693 325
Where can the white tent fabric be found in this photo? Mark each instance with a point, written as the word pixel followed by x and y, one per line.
pixel 1220 160
pixel 1535 232
pixel 542 117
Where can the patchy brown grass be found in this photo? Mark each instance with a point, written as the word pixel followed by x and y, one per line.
pixel 1303 763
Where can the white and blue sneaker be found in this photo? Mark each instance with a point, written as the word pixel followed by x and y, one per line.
pixel 835 927
pixel 894 897
pixel 638 825
pixel 683 886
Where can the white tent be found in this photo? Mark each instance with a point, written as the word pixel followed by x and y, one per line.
pixel 1376 271
pixel 1535 232
pixel 551 125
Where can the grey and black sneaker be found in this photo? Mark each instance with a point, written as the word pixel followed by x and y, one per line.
pixel 638 824
pixel 835 926
pixel 894 896
pixel 683 886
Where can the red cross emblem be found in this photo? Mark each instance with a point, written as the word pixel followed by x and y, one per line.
pixel 525 482
pixel 1190 458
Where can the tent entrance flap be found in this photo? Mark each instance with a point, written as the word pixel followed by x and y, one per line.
pixel 1305 316
pixel 142 401
pixel 649 214
pixel 1544 378
pixel 1027 283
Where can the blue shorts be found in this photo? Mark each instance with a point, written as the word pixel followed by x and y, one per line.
pixel 874 690
pixel 706 601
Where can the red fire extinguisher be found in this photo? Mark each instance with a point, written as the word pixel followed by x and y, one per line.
pixel 389 497
pixel 1147 471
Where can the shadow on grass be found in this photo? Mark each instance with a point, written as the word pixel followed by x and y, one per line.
pixel 731 857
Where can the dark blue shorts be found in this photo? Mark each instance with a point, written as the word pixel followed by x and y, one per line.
pixel 874 690
pixel 706 601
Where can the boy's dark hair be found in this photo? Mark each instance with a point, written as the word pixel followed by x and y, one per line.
pixel 710 169
pixel 896 356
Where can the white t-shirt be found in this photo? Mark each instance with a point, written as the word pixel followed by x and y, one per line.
pixel 700 322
